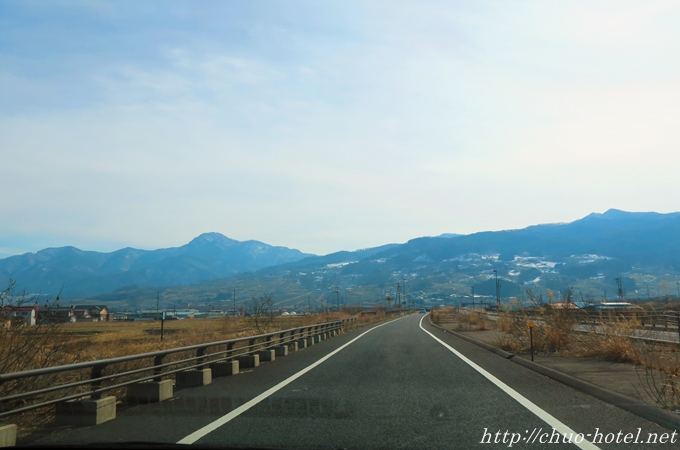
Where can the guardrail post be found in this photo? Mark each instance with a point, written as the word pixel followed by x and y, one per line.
pixel 318 335
pixel 282 348
pixel 157 361
pixel 224 366
pixel 8 435
pixel 198 377
pixel 92 411
pixel 154 390
pixel 300 342
pixel 200 352
pixel 97 372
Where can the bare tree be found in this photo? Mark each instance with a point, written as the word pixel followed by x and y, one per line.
pixel 535 299
pixel 260 310
pixel 26 347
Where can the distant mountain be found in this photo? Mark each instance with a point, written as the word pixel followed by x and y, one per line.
pixel 83 273
pixel 639 238
pixel 332 258
pixel 587 254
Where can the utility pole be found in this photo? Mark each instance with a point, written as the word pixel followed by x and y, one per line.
pixel 337 296
pixel 158 304
pixel 405 299
pixel 498 292
pixel 620 289
pixel 399 295
pixel 473 296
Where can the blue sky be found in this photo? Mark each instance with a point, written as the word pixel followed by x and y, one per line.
pixel 326 126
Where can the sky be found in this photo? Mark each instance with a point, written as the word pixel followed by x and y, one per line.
pixel 328 126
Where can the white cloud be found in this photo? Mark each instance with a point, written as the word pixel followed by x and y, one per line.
pixel 404 119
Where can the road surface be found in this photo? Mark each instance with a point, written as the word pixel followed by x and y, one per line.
pixel 401 384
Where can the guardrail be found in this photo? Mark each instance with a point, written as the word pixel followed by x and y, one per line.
pixel 98 382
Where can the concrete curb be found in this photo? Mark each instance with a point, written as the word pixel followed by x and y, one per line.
pixel 653 414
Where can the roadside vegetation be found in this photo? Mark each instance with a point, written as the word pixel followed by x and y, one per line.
pixel 570 333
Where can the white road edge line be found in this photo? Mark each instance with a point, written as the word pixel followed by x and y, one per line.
pixel 198 434
pixel 540 413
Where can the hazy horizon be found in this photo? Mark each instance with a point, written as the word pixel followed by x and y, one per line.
pixel 5 255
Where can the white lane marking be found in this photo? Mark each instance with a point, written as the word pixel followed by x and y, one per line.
pixel 543 415
pixel 198 434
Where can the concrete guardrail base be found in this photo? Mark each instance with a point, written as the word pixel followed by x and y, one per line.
pixel 248 361
pixel 317 339
pixel 293 346
pixel 310 341
pixel 150 391
pixel 301 343
pixel 267 355
pixel 194 378
pixel 225 368
pixel 8 435
pixel 281 350
pixel 86 412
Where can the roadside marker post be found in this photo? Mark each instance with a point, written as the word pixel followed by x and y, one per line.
pixel 531 339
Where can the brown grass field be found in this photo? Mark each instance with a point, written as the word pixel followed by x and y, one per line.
pixel 97 340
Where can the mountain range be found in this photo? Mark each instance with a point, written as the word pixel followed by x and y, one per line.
pixel 83 273
pixel 639 238
pixel 642 249
pixel 589 253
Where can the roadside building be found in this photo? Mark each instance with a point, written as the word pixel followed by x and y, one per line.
pixel 563 305
pixel 83 315
pixel 57 315
pixel 96 313
pixel 26 315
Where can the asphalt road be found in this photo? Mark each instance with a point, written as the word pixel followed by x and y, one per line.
pixel 396 385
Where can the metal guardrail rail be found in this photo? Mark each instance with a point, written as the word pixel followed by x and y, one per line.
pixel 95 384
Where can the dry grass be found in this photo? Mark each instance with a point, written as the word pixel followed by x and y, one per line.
pixel 553 333
pixel 107 340
pixel 468 322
